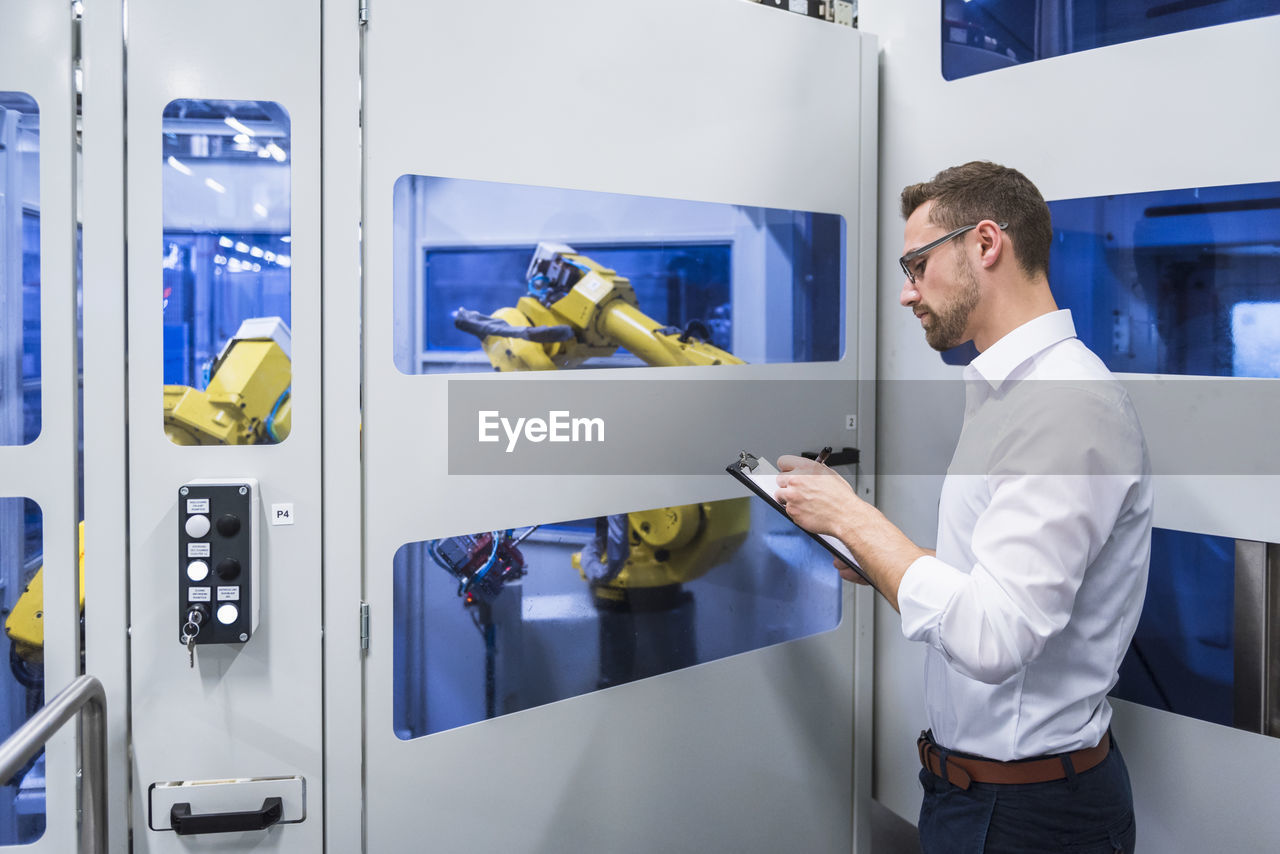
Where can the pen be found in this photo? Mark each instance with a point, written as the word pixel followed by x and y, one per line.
pixel 823 454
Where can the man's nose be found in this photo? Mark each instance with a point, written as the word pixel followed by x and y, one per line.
pixel 910 295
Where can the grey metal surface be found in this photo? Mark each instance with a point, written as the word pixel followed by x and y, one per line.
pixel 1249 637
pixel 1271 713
pixel 343 505
pixel 1256 639
pixel 105 371
pixel 83 697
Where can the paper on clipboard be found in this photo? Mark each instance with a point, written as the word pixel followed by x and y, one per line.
pixel 762 479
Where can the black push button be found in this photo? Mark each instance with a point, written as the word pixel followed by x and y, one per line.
pixel 228 525
pixel 228 568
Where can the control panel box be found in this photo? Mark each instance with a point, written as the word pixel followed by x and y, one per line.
pixel 218 561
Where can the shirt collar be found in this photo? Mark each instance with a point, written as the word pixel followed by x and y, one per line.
pixel 998 361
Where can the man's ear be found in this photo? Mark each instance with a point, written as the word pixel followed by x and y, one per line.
pixel 992 243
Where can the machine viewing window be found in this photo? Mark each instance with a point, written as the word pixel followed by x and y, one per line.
pixel 1209 633
pixel 19 269
pixel 983 35
pixel 227 272
pixel 495 622
pixel 22 801
pixel 1171 282
pixel 513 278
pixel 1180 659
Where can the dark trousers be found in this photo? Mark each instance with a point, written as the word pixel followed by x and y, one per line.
pixel 1089 813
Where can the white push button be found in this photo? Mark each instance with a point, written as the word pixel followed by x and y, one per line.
pixel 197 526
pixel 197 570
pixel 227 613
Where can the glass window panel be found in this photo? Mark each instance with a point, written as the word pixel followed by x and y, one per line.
pixel 1171 282
pixel 1182 655
pixel 19 269
pixel 227 262
pixel 22 801
pixel 686 282
pixel 482 632
pixel 1164 282
pixel 984 35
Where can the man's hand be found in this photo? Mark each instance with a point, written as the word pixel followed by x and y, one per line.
pixel 821 501
pixel 817 498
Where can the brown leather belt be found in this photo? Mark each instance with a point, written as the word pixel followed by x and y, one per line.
pixel 961 770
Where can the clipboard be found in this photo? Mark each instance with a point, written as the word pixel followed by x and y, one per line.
pixel 761 478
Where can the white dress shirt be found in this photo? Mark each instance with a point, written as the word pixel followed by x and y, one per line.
pixel 1044 539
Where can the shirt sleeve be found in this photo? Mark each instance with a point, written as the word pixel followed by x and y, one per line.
pixel 1055 494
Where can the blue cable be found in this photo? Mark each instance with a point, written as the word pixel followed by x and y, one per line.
pixel 270 423
pixel 534 290
pixel 493 558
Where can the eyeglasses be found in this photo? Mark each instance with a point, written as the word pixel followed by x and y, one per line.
pixel 905 260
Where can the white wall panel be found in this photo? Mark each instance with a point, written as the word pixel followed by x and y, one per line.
pixel 1183 110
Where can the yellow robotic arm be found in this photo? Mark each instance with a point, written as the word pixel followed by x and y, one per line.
pixel 665 546
pixel 248 399
pixel 577 309
pixel 25 623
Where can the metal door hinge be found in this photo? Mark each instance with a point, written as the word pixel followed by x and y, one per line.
pixel 364 626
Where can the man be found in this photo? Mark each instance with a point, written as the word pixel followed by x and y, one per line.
pixel 1030 601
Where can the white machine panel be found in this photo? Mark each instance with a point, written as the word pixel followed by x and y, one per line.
pixel 36 62
pixel 719 102
pixel 248 709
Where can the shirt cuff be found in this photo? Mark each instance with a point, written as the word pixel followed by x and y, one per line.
pixel 927 587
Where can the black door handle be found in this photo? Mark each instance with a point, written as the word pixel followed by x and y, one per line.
pixel 185 823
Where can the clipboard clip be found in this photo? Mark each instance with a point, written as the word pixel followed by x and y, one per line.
pixel 747 461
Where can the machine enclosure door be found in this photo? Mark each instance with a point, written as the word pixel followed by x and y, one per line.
pixel 717 102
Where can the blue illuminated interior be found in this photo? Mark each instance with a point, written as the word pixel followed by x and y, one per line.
pixel 1182 656
pixel 31 383
pixel 1182 282
pixel 211 285
pixel 227 243
pixel 765 285
pixel 20 283
pixel 1168 282
pixel 985 35
pixel 22 803
pixel 545 638
pixel 680 283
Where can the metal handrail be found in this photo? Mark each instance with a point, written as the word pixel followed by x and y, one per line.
pixel 86 694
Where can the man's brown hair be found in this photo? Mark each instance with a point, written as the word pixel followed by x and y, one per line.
pixel 965 195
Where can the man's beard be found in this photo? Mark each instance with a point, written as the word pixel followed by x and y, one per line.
pixel 950 320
